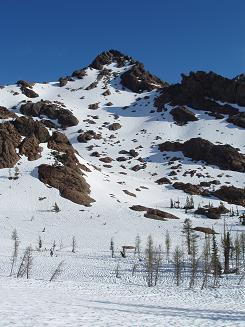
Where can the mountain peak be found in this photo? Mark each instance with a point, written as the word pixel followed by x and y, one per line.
pixel 108 57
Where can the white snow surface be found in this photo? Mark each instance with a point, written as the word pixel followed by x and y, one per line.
pixel 87 293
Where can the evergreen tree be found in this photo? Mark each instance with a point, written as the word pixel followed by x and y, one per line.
pixel 40 243
pixel 193 259
pixel 187 231
pixel 206 261
pixel 226 242
pixel 178 264
pixel 215 262
pixel 137 246
pixel 73 244
pixel 237 253
pixel 112 248
pixel 15 238
pixel 167 244
pixel 149 261
pixel 56 208
pixel 242 243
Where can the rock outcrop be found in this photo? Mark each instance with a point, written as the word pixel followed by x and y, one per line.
pixel 30 148
pixel 29 93
pixel 190 188
pixel 154 213
pixel 52 111
pixel 70 183
pixel 182 115
pixel 138 80
pixel 108 57
pixel 238 119
pixel 87 136
pixel 212 212
pixel 27 126
pixel 10 139
pixel 6 114
pixel 223 156
pixel 204 91
pixel 231 194
pixel 114 126
pixel 66 154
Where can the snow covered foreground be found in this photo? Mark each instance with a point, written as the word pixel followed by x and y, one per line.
pixel 38 303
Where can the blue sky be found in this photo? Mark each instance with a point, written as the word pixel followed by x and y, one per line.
pixel 43 40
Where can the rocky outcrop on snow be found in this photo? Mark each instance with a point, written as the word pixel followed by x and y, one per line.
pixel 182 115
pixel 87 136
pixel 190 188
pixel 26 126
pixel 64 80
pixel 29 93
pixel 204 91
pixel 108 57
pixel 154 213
pixel 6 114
pixel 66 154
pixel 223 156
pixel 114 126
pixel 30 148
pixel 137 79
pixel 26 84
pixel 52 111
pixel 59 142
pixel 212 212
pixel 238 119
pixel 70 183
pixel 26 88
pixel 9 141
pixel 231 194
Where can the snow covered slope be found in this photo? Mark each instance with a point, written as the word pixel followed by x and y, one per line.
pixel 121 162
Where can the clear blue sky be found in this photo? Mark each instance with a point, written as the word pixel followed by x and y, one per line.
pixel 44 39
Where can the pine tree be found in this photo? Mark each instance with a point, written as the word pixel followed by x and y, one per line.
pixel 40 243
pixel 16 172
pixel 157 264
pixel 26 263
pixel 167 244
pixel 149 261
pixel 57 271
pixel 237 253
pixel 15 238
pixel 187 204
pixel 178 264
pixel 193 259
pixel 226 242
pixel 29 261
pixel 74 244
pixel 206 261
pixel 192 205
pixel 137 246
pixel 117 270
pixel 56 208
pixel 112 249
pixel 242 243
pixel 215 262
pixel 187 231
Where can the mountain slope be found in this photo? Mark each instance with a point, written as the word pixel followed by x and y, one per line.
pixel 115 160
pixel 100 155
